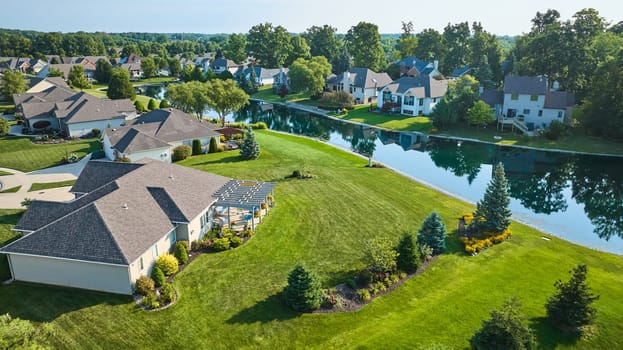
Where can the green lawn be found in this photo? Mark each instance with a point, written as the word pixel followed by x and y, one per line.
pixel 21 154
pixel 231 300
pixel 361 114
pixel 5 173
pixel 11 190
pixel 47 185
pixel 265 93
pixel 8 219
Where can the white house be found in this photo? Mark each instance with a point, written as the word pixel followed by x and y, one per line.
pixel 529 101
pixel 220 65
pixel 412 67
pixel 75 114
pixel 155 134
pixel 125 216
pixel 413 95
pixel 362 83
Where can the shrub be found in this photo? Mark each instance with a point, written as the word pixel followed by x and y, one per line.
pixel 380 255
pixel 150 301
pixel 197 149
pixel 433 233
pixel 380 286
pixel 153 104
pixel 303 292
pixel 140 106
pixel 364 277
pixel 164 104
pixel 388 282
pixel 168 264
pixel 184 243
pixel 213 147
pixel 144 285
pixel 181 252
pixel 96 132
pixel 507 329
pixel 555 131
pixel 351 283
pixel 195 245
pixel 426 252
pixel 220 148
pixel 236 241
pixel 167 293
pixel 409 258
pixel 364 295
pixel 123 159
pixel 158 276
pixel 220 244
pixel 181 152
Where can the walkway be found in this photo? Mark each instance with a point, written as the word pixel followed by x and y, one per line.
pixel 25 180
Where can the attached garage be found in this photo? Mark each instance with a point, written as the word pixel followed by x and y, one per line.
pixel 71 273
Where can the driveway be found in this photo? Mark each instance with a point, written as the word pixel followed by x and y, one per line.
pixel 25 180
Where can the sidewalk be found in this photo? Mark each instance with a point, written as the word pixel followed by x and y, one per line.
pixel 25 180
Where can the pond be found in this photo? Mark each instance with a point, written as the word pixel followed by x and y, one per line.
pixel 576 197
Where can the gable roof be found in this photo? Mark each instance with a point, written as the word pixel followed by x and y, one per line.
pixel 461 71
pixel 492 97
pixel 420 86
pixel 362 78
pixel 157 128
pixel 525 85
pixel 122 219
pixel 559 100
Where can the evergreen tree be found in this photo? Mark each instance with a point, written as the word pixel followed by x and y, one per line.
pixel 253 79
pixel 158 276
pixel 433 233
pixel 303 292
pixel 249 149
pixel 213 146
pixel 492 212
pixel 409 258
pixel 570 307
pixel 507 329
pixel 153 104
pixel 197 149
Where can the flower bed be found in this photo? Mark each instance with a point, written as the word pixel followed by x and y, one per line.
pixel 475 242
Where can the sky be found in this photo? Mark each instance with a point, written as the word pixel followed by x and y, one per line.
pixel 226 16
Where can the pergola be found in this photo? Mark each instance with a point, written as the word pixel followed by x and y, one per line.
pixel 245 195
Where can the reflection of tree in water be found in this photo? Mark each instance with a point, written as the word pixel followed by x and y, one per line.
pixel 541 192
pixel 600 189
pixel 461 159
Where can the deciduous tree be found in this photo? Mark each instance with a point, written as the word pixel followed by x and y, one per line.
pixel 103 71
pixel 77 78
pixel 309 75
pixel 225 97
pixel 480 114
pixel 364 43
pixel 236 48
pixel 120 86
pixel 148 66
pixel 13 83
pixel 323 42
pixel 380 255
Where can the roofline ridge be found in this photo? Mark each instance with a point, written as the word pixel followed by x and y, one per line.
pixel 97 211
pixel 172 200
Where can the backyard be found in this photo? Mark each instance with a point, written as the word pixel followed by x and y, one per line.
pixel 231 299
pixel 21 154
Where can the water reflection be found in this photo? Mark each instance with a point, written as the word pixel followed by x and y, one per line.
pixel 549 189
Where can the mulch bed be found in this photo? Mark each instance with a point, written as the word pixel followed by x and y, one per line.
pixel 350 300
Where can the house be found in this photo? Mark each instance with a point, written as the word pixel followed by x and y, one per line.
pixel 75 114
pixel 155 134
pixel 41 84
pixel 135 70
pixel 413 95
pixel 362 83
pixel 412 67
pixel 132 58
pixel 220 65
pixel 529 103
pixel 263 76
pixel 203 62
pixel 281 79
pixel 495 99
pixel 125 216
pixel 21 64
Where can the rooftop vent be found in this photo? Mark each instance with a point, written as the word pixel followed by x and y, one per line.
pixel 171 177
pixel 124 206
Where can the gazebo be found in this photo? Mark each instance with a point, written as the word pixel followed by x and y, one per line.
pixel 249 195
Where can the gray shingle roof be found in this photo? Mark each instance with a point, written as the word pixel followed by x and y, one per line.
pixel 157 128
pixel 559 100
pixel 525 85
pixel 121 220
pixel 420 86
pixel 99 173
pixel 492 97
pixel 362 78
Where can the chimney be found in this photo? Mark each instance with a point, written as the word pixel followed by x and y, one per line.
pixel 436 64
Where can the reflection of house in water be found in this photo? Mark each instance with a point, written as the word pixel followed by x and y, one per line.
pixel 524 161
pixel 406 140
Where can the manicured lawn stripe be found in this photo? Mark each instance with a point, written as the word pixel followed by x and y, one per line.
pixel 362 114
pixel 12 189
pixel 47 185
pixel 21 154
pixel 231 300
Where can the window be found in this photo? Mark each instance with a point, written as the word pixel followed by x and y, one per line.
pixel 560 114
pixel 154 251
pixel 514 97
pixel 407 111
pixel 534 97
pixel 526 111
pixel 140 263
pixel 173 236
pixel 409 100
pixel 421 102
pixel 540 112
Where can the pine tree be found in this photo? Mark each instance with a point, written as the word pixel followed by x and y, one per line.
pixel 492 212
pixel 409 258
pixel 507 329
pixel 197 149
pixel 570 307
pixel 433 233
pixel 213 148
pixel 249 149
pixel 303 292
